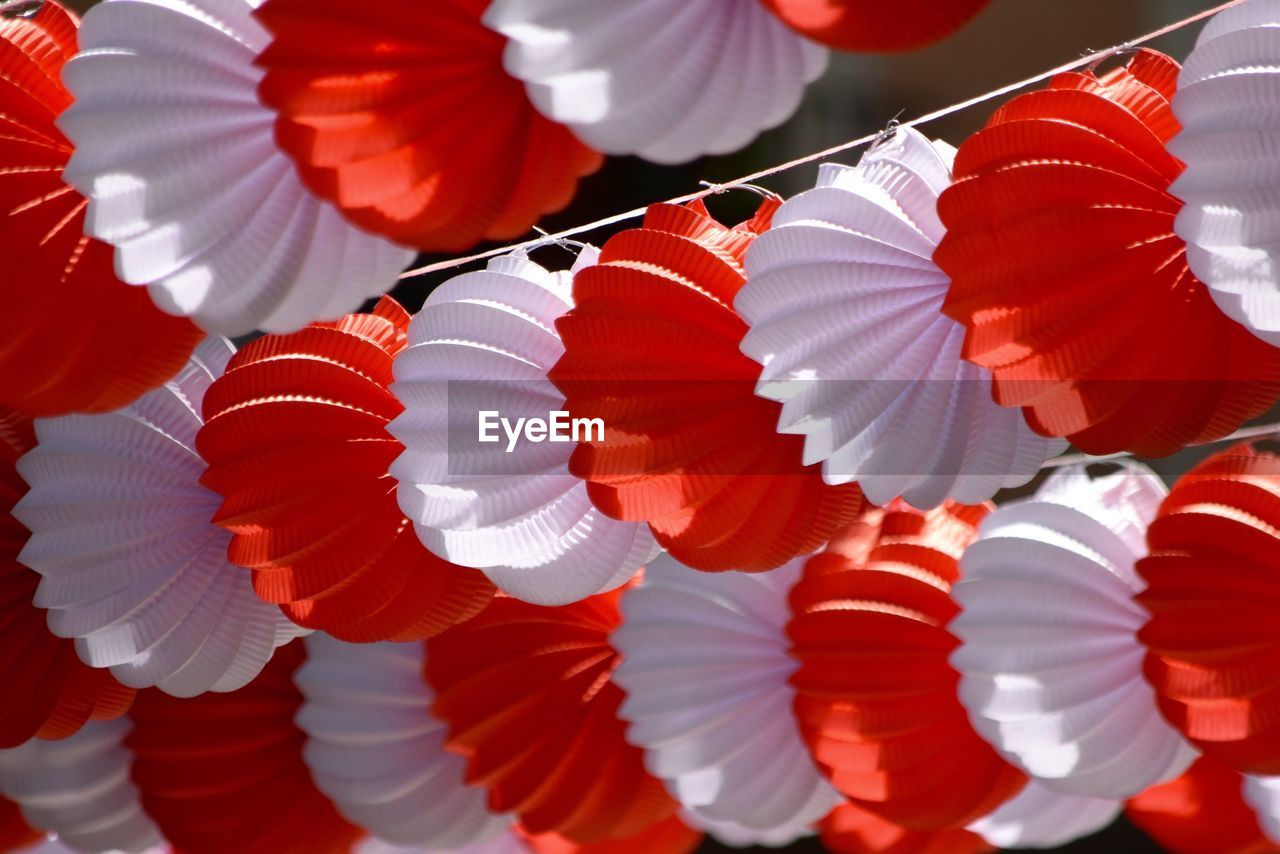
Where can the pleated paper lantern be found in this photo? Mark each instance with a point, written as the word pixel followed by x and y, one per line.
pixel 1262 794
pixel 1038 817
pixel 1226 104
pixel 73 338
pixel 737 835
pixel 484 342
pixel 852 830
pixel 705 669
pixel 651 349
pixel 131 563
pixel 873 25
pixel 404 117
pixel 528 697
pixel 669 836
pixel 1201 812
pixel 665 79
pixel 1050 662
pixel 15 833
pixel 375 749
pixel 844 304
pixel 49 692
pixel 1071 282
pixel 875 696
pixel 79 789
pixel 224 772
pixel 296 442
pixel 186 180
pixel 1213 591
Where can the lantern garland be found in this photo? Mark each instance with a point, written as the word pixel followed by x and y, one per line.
pixel 843 300
pixel 664 79
pixel 1072 284
pixel 304 416
pixel 123 538
pixel 1050 660
pixel 73 338
pixel 651 349
pixel 176 154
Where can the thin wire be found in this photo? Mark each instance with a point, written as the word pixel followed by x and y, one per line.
pixel 1089 59
pixel 1256 432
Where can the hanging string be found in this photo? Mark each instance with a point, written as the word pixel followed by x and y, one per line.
pixel 1091 59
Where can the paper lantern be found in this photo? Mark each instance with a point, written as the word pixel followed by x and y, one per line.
pixel 1039 817
pixel 1262 794
pixel 528 697
pixel 1226 106
pixel 404 118
pixel 669 836
pixel 852 830
pixel 186 181
pixel 79 789
pixel 1050 662
pixel 73 338
pixel 871 25
pixel 50 692
pixel 1213 592
pixel 1201 812
pixel 296 441
pixel 875 697
pixel 483 344
pixel 705 668
pixel 665 79
pixel 15 833
pixel 845 308
pixel 737 835
pixel 224 772
pixel 130 561
pixel 374 748
pixel 1071 282
pixel 651 349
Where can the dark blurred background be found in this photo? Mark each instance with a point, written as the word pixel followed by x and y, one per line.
pixel 1011 40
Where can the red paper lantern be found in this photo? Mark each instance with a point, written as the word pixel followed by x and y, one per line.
pixel 73 338
pixel 875 695
pixel 224 772
pixel 1200 812
pixel 527 694
pixel 651 348
pixel 873 25
pixel 1213 592
pixel 403 117
pixel 50 692
pixel 849 829
pixel 1073 285
pixel 296 442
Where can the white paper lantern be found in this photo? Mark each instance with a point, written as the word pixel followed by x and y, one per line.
pixel 484 341
pixel 1038 817
pixel 1228 103
pixel 705 669
pixel 122 534
pixel 1050 662
pixel 375 749
pixel 179 161
pixel 1263 794
pixel 669 80
pixel 79 788
pixel 845 308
